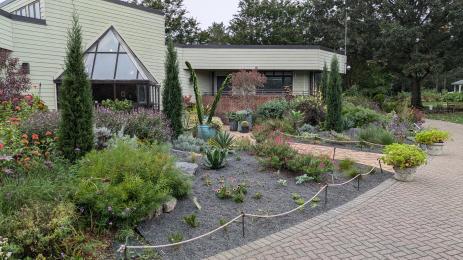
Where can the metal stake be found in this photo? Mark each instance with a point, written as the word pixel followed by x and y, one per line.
pixel 326 195
pixel 334 153
pixel 380 165
pixel 358 182
pixel 242 222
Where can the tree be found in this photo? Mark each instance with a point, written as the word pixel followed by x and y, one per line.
pixel 179 27
pixel 76 105
pixel 172 101
pixel 13 80
pixel 217 33
pixel 334 98
pixel 244 83
pixel 419 37
pixel 324 83
pixel 268 22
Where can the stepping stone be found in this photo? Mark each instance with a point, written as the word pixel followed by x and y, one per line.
pixel 189 169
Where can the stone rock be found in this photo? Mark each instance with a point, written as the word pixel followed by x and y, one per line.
pixel 155 213
pixel 169 206
pixel 189 169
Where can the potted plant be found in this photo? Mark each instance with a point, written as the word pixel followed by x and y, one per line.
pixel 205 129
pixel 405 159
pixel 233 121
pixel 433 140
pixel 244 127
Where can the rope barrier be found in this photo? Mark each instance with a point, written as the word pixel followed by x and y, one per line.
pixel 124 248
pixel 331 141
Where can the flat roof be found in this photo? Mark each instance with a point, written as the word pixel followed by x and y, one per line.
pixel 232 46
pixel 119 2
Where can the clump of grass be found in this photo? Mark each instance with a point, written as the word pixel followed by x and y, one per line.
pixel 175 237
pixel 346 164
pixel 376 135
pixel 191 220
pixel 257 196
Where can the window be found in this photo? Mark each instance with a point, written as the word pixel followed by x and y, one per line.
pixel 108 59
pixel 276 80
pixel 31 10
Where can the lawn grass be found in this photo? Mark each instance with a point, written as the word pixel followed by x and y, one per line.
pixel 450 117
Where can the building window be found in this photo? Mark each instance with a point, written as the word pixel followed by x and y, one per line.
pixel 107 59
pixel 277 80
pixel 31 10
pixel 26 68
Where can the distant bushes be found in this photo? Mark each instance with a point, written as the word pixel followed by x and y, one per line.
pixel 376 135
pixel 274 109
pixel 356 116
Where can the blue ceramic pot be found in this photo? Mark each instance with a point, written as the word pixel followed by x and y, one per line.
pixel 206 132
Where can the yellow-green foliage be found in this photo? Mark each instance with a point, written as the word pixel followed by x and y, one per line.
pixel 432 136
pixel 404 156
pixel 126 183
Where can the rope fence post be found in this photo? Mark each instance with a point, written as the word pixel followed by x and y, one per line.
pixel 334 153
pixel 242 222
pixel 358 182
pixel 380 165
pixel 326 195
pixel 126 253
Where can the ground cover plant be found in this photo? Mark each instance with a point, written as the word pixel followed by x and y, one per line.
pixel 432 136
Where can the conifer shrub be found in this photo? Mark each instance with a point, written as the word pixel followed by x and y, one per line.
pixel 334 98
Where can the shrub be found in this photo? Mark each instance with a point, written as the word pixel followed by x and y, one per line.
pixel 312 107
pixel 274 154
pixel 215 158
pixel 334 98
pixel 14 80
pixel 76 104
pixel 357 116
pixel 432 136
pixel 404 156
pixel 124 184
pixel 346 164
pixel 274 109
pixel 311 166
pixel 188 143
pixel 269 128
pixel 376 135
pixel 117 105
pixel 172 100
pixel 148 125
pixel 40 123
pixel 303 179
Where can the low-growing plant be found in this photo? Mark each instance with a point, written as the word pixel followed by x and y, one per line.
pixel 187 142
pixel 295 196
pixel 432 136
pixel 118 105
pixel 223 140
pixel 376 135
pixel 346 164
pixel 257 196
pixel 223 222
pixel 243 144
pixel 296 118
pixel 311 166
pixel 282 183
pixel 224 192
pixel 275 154
pixel 125 183
pixel 404 156
pixel 176 237
pixel 357 116
pixel 191 220
pixel 303 179
pixel 215 158
pixel 239 197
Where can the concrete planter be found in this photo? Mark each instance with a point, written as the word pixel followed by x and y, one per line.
pixel 405 175
pixel 435 149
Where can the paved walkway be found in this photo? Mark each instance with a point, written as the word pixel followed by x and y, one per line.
pixel 370 159
pixel 418 220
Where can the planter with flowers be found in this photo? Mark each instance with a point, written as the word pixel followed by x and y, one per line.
pixel 405 159
pixel 433 140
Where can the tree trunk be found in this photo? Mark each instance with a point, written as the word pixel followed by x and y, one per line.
pixel 416 93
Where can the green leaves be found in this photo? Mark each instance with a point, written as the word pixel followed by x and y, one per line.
pixel 216 158
pixel 172 98
pixel 404 156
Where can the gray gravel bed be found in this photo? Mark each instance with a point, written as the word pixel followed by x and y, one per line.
pixel 276 199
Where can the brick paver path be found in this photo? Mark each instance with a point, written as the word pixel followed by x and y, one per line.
pixel 365 158
pixel 418 220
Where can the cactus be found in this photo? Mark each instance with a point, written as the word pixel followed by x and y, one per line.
pixel 198 97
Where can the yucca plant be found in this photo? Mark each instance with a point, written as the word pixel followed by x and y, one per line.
pixel 223 140
pixel 215 158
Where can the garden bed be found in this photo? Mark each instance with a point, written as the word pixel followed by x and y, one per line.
pixel 276 198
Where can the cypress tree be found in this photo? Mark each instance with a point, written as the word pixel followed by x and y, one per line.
pixel 172 102
pixel 324 83
pixel 334 98
pixel 76 104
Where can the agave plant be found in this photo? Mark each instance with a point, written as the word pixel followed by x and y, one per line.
pixel 215 158
pixel 223 140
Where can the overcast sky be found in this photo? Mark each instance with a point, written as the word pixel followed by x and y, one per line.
pixel 209 11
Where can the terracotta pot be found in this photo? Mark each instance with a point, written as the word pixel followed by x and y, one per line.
pixel 405 175
pixel 435 149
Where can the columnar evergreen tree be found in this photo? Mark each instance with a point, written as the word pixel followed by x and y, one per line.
pixel 76 105
pixel 172 102
pixel 334 98
pixel 324 83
